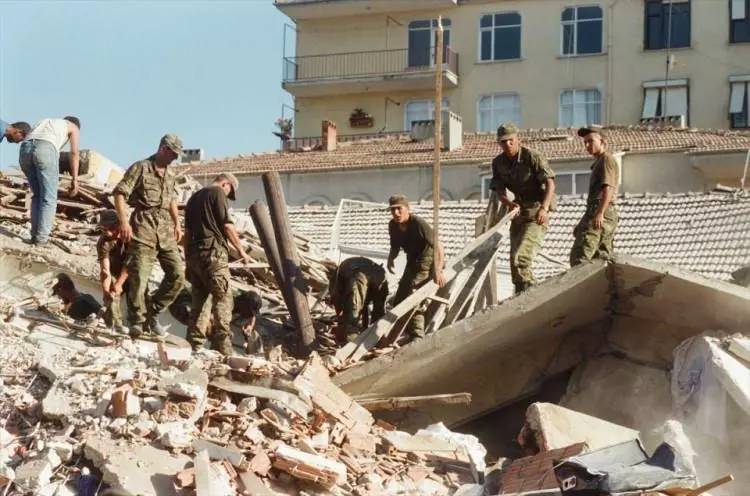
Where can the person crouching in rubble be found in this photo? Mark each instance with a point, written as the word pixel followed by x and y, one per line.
pixel 247 306
pixel 111 251
pixel 353 286
pixel 78 306
pixel 414 236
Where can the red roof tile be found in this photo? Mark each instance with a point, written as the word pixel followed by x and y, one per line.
pixel 534 473
pixel 399 151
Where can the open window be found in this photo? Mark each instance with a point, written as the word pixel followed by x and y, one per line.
pixel 666 99
pixel 738 101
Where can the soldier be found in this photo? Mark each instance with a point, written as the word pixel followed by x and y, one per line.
pixel 595 232
pixel 526 173
pixel 414 236
pixel 152 233
pixel 209 228
pixel 111 253
pixel 353 286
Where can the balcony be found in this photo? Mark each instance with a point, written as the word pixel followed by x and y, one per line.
pixel 360 72
pixel 315 9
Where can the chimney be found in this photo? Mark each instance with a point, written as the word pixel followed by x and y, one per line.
pixel 329 136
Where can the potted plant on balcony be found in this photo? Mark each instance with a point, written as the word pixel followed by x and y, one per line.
pixel 360 118
pixel 285 128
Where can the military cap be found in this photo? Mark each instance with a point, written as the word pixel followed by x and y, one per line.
pixel 228 176
pixel 173 142
pixel 585 131
pixel 397 200
pixel 506 130
pixel 108 218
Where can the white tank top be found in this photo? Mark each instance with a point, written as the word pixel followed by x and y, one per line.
pixel 53 130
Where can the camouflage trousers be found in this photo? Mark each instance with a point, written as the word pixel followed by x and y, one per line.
pixel 112 311
pixel 358 291
pixel 141 260
pixel 415 275
pixel 526 237
pixel 208 272
pixel 593 243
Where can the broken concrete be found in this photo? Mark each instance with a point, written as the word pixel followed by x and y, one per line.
pixel 56 404
pixel 190 384
pixel 555 427
pixel 140 469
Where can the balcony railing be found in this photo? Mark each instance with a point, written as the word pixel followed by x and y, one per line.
pixel 365 64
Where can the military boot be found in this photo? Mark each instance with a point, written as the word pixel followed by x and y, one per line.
pixel 223 346
pixel 153 325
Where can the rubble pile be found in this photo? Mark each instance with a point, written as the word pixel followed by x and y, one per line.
pixel 146 417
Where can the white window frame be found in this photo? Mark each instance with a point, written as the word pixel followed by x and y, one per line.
pixel 573 174
pixel 484 181
pixel 574 91
pixel 430 109
pixel 655 91
pixel 491 29
pixel 574 23
pixel 739 90
pixel 516 109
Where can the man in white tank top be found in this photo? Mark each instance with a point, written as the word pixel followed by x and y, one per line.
pixel 39 158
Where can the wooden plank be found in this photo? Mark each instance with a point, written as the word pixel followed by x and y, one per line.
pixel 470 290
pixel 400 402
pixel 294 403
pixel 488 241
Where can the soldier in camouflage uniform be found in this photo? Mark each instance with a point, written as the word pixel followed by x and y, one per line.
pixel 594 234
pixel 113 274
pixel 209 230
pixel 152 233
pixel 527 175
pixel 412 234
pixel 353 286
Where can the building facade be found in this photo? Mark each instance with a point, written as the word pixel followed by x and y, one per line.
pixel 368 65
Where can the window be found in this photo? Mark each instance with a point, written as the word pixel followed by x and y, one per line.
pixel 665 99
pixel 500 36
pixel 493 110
pixel 485 181
pixel 422 37
pixel 572 183
pixel 665 27
pixel 581 30
pixel 580 108
pixel 738 101
pixel 739 21
pixel 420 110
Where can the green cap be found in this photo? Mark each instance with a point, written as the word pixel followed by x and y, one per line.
pixel 398 200
pixel 173 142
pixel 228 176
pixel 506 130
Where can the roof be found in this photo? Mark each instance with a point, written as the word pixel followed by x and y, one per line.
pixel 703 232
pixel 398 150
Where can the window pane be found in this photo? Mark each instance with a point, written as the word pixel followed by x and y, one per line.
pixel 680 25
pixel 582 183
pixel 589 13
pixel 486 45
pixel 740 31
pixel 485 21
pixel 590 37
pixel 654 29
pixel 507 43
pixel 568 41
pixel 509 19
pixel 566 115
pixel 566 98
pixel 485 102
pixel 567 14
pixel 419 24
pixel 419 48
pixel 564 184
pixel 486 123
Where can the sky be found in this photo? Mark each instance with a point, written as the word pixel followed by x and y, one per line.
pixel 209 71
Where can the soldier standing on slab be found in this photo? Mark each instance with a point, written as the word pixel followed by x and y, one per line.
pixel 414 236
pixel 152 233
pixel 357 282
pixel 526 173
pixel 209 230
pixel 595 233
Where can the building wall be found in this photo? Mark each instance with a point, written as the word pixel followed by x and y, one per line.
pixel 541 73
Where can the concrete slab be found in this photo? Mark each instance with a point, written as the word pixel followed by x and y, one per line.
pixel 558 427
pixel 142 469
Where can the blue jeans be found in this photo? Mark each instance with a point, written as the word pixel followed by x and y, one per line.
pixel 39 161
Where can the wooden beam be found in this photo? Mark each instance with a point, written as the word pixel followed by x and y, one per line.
pixel 438 135
pixel 401 402
pixel 294 281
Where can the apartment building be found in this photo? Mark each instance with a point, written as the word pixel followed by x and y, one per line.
pixel 368 65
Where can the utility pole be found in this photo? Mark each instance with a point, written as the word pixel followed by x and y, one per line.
pixel 438 140
pixel 666 69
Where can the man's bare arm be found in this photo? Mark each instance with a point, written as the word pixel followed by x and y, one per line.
pixel 234 240
pixel 126 231
pixel 73 137
pixel 175 214
pixel 607 195
pixel 549 193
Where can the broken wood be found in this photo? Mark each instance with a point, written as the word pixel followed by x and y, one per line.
pixel 400 402
pixel 309 467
